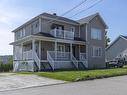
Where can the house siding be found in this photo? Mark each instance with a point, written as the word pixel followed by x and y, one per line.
pixel 96 62
pixel 46 26
pixel 116 49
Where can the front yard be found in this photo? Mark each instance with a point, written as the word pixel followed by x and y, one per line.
pixel 76 75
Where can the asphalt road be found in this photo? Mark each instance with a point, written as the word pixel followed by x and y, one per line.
pixel 109 86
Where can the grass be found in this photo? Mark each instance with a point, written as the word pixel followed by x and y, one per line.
pixel 74 75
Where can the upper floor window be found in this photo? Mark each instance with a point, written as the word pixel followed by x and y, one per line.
pixel 96 51
pixel 96 34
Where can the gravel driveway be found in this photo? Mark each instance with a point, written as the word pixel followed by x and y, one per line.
pixel 11 81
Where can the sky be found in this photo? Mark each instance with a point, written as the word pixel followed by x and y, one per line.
pixel 14 13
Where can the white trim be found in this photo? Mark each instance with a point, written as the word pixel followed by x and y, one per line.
pixel 44 61
pixel 39 24
pixel 93 51
pixel 40 49
pixel 33 47
pixel 29 38
pixel 96 33
pixel 79 31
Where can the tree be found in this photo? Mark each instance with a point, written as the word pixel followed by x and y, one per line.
pixel 107 40
pixel 10 60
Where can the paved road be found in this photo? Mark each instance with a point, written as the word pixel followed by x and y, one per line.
pixel 109 86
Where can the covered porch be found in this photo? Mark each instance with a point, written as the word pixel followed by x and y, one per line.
pixel 54 52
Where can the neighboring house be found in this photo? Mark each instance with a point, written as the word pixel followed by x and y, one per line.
pixel 53 42
pixel 4 59
pixel 118 48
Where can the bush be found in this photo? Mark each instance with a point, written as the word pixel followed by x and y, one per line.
pixel 6 67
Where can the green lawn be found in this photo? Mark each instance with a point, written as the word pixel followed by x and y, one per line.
pixel 80 74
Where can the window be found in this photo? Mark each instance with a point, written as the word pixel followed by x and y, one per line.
pixel 96 51
pixel 96 34
pixel 23 32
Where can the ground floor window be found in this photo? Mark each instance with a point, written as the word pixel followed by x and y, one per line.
pixel 96 51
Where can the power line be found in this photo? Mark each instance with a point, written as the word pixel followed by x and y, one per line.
pixel 87 8
pixel 74 7
pixel 68 11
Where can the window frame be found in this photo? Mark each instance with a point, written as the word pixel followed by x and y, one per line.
pixel 96 34
pixel 97 50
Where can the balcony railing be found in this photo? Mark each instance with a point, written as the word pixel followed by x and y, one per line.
pixel 62 34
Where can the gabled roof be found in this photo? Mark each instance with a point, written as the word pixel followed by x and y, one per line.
pixel 58 18
pixel 89 18
pixel 121 36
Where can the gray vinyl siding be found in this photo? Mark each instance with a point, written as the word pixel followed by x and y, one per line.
pixel 29 29
pixel 83 31
pixel 96 62
pixel 46 26
pixel 116 49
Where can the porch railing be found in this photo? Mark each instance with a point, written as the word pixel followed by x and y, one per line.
pixel 82 56
pixel 50 59
pixel 62 34
pixel 60 56
pixel 37 60
pixel 30 55
pixel 27 55
pixel 83 59
pixel 75 62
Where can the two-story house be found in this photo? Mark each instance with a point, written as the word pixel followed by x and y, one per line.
pixel 49 42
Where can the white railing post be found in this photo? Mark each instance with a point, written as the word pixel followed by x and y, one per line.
pixel 33 48
pixel 55 32
pixel 55 49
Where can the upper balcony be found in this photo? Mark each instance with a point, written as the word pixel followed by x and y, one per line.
pixel 64 34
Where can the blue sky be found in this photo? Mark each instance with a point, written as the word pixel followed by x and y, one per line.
pixel 14 13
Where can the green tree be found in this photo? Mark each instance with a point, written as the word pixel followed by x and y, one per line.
pixel 10 60
pixel 107 40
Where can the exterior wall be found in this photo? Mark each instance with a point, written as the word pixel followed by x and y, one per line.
pixel 96 62
pixel 27 30
pixel 116 49
pixel 83 31
pixel 46 46
pixel 46 26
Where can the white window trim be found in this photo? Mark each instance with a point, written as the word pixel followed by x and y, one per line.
pixel 99 33
pixel 93 51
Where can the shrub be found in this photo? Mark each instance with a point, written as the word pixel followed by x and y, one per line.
pixel 6 67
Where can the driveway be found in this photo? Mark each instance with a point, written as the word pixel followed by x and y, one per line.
pixel 11 81
pixel 108 86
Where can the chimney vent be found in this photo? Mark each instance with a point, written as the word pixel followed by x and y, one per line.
pixel 54 14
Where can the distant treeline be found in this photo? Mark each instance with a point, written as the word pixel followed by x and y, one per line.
pixel 8 66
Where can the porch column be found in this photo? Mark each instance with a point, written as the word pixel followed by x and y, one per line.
pixel 33 48
pixel 40 49
pixel 71 50
pixel 55 49
pixel 22 51
pixel 79 52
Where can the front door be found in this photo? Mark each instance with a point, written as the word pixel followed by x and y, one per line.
pixel 61 48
